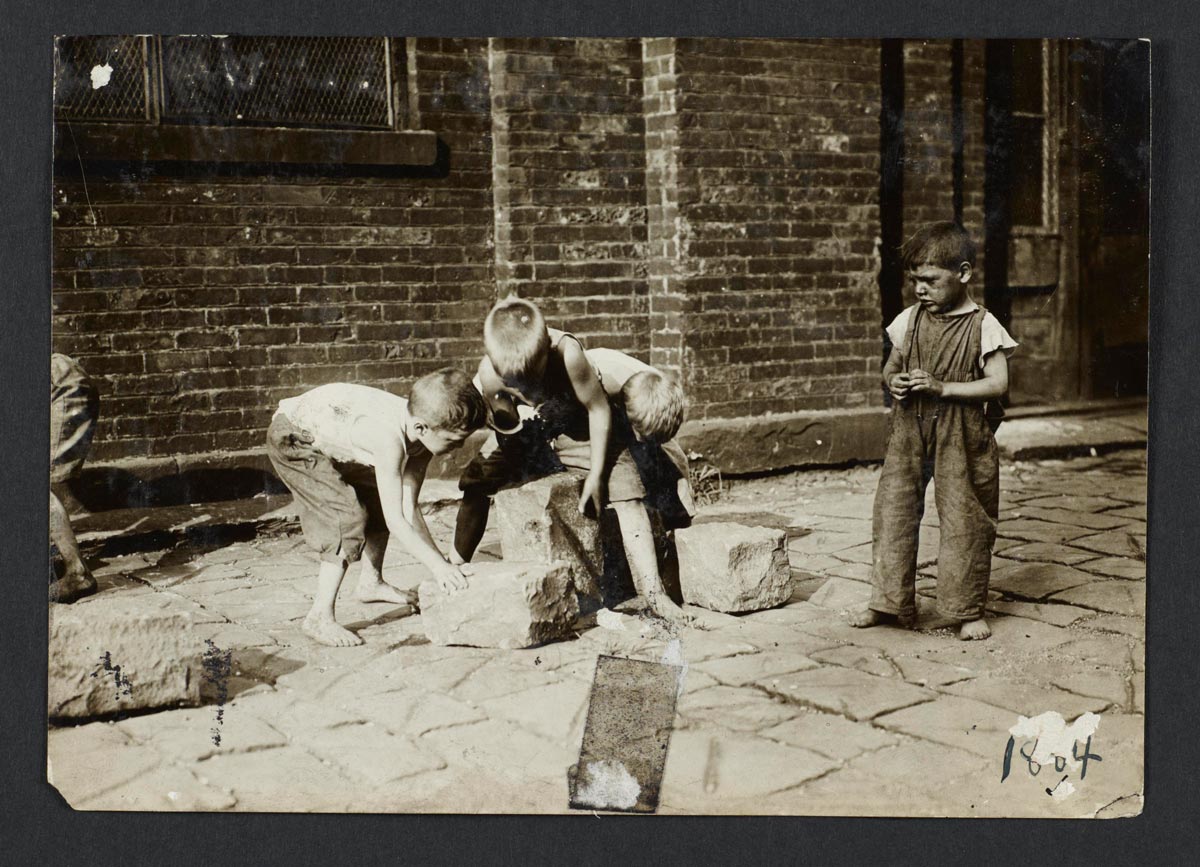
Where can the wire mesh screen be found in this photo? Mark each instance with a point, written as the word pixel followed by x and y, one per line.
pixel 100 78
pixel 289 81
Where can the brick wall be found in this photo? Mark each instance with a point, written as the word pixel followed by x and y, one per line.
pixel 570 191
pixel 198 300
pixel 777 190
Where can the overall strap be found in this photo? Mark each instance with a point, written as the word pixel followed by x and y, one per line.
pixel 910 338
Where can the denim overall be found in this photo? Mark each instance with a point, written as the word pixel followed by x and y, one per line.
pixel 950 442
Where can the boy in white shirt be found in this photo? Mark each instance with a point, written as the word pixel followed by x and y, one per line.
pixel 355 458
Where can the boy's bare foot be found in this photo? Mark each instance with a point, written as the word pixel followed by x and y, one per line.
pixel 378 590
pixel 68 588
pixel 324 630
pixel 663 606
pixel 974 630
pixel 870 617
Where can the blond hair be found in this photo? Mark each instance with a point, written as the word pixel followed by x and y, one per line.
pixel 515 338
pixel 447 400
pixel 654 405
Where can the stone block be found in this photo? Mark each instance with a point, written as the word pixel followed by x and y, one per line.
pixel 733 568
pixel 540 521
pixel 508 605
pixel 105 658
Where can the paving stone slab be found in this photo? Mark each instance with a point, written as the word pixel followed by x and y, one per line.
pixel 312 785
pixel 1091 520
pixel 370 753
pixel 1037 581
pixel 1116 543
pixel 1026 698
pixel 552 710
pixel 1134 627
pixel 745 710
pixel 1138 512
pixel 167 788
pixel 188 734
pixel 842 594
pixel 85 761
pixel 1032 530
pixel 1080 502
pixel 709 769
pixel 830 735
pixel 851 693
pixel 751 667
pixel 1105 650
pixel 1047 552
pixel 1128 568
pixel 1054 614
pixel 505 751
pixel 973 726
pixel 1115 597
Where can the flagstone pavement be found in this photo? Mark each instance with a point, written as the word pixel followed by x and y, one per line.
pixel 787 711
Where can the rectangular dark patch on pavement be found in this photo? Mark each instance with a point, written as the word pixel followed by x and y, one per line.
pixel 630 716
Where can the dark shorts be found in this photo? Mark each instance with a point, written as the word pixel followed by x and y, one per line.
pixel 338 502
pixel 74 407
pixel 634 471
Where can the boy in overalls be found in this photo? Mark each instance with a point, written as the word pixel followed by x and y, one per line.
pixel 949 358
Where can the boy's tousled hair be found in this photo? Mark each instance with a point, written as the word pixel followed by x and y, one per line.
pixel 945 244
pixel 447 400
pixel 515 337
pixel 654 405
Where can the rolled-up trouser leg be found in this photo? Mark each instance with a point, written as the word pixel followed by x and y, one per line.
pixel 899 505
pixel 966 487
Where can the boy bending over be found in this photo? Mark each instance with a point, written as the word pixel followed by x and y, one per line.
pixel 949 357
pixel 354 458
pixel 549 412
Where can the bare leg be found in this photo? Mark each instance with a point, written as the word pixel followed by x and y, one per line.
pixel 371 586
pixel 638 539
pixel 319 625
pixel 77 580
pixel 470 525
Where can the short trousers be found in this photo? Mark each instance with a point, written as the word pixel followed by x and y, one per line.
pixel 634 470
pixel 338 502
pixel 74 408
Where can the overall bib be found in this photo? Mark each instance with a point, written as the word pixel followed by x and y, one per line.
pixel 951 443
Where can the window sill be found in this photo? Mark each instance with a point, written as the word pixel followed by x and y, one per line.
pixel 125 142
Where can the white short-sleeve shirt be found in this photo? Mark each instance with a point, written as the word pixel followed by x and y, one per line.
pixel 992 336
pixel 329 413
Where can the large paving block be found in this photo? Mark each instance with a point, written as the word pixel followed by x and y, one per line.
pixel 540 521
pixel 733 568
pixel 107 656
pixel 508 605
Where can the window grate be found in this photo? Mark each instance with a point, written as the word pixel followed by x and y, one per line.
pixel 101 78
pixel 288 81
pixel 298 81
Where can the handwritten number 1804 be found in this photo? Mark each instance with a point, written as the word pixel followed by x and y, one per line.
pixel 1060 762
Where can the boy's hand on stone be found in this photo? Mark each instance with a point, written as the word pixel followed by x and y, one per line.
pixel 591 495
pixel 924 382
pixel 450 578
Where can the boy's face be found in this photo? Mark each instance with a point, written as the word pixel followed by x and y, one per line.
pixel 940 289
pixel 440 441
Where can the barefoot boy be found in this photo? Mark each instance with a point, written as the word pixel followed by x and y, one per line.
pixel 550 412
pixel 74 404
pixel 647 410
pixel 949 357
pixel 355 457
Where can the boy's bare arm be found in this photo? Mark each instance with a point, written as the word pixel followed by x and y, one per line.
pixel 590 393
pixel 399 505
pixel 894 379
pixel 413 478
pixel 993 384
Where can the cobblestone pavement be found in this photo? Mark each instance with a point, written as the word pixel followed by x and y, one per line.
pixel 782 711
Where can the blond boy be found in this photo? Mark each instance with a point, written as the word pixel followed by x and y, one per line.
pixel 355 458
